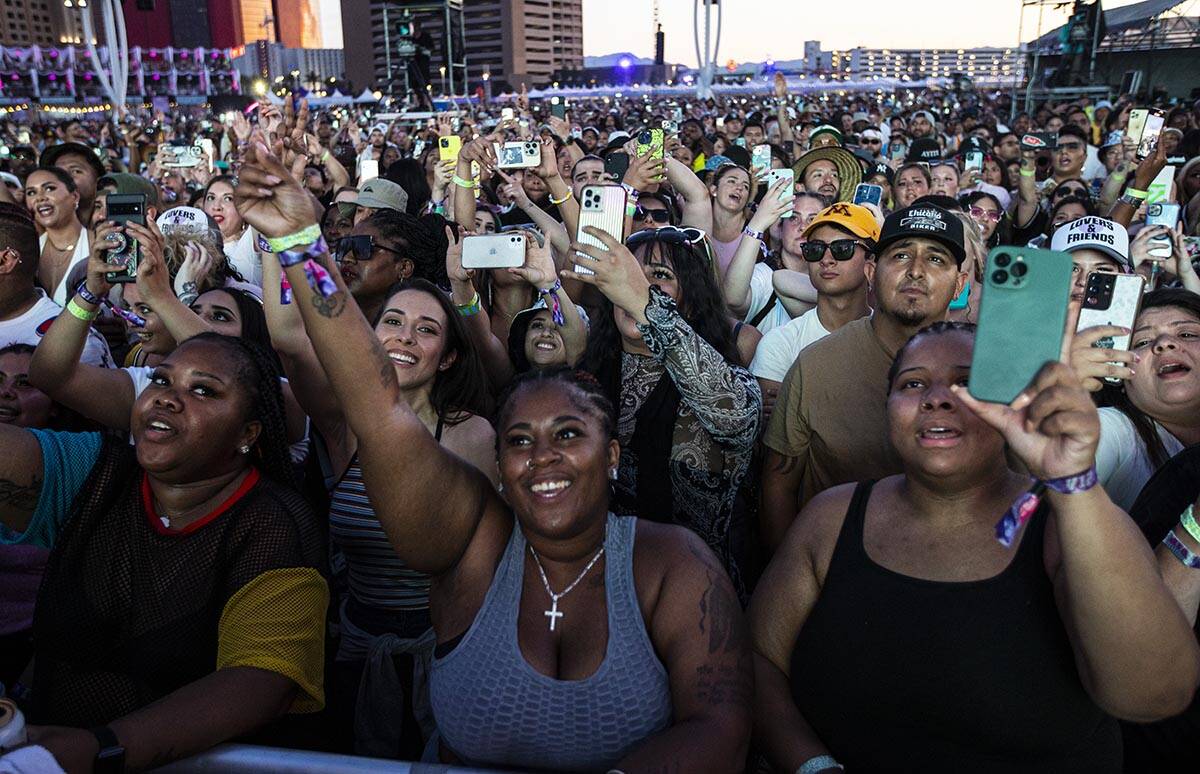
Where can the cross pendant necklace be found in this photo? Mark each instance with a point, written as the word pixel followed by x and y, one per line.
pixel 554 613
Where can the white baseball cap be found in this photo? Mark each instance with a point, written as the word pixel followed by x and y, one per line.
pixel 1094 233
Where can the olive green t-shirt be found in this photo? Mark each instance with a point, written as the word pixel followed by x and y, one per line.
pixel 831 413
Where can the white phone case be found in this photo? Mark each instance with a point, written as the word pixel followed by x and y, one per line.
pixel 494 251
pixel 603 207
pixel 1122 310
pixel 518 155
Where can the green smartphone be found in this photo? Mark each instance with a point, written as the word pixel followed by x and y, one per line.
pixel 1021 320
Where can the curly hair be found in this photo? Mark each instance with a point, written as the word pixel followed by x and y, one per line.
pixel 423 240
pixel 593 401
pixel 257 374
pixel 700 304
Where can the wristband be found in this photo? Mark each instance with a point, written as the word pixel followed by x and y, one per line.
pixel 1027 172
pixel 471 308
pixel 1188 520
pixel 263 245
pixel 79 312
pixel 304 236
pixel 632 192
pixel 555 306
pixel 87 295
pixel 461 183
pixel 557 202
pixel 1182 552
pixel 1132 201
pixel 819 763
pixel 1137 193
pixel 325 157
pixel 292 257
pixel 630 209
pixel 752 233
pixel 1026 505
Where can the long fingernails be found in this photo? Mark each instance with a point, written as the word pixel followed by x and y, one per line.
pixel 274 180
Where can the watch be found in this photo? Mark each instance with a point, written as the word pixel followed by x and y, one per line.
pixel 111 757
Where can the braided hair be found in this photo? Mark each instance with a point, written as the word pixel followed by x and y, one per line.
pixel 257 373
pixel 589 392
pixel 423 238
pixel 936 329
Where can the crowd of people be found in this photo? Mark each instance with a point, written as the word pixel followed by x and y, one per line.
pixel 704 491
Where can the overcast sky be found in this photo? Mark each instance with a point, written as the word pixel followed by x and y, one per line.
pixel 754 29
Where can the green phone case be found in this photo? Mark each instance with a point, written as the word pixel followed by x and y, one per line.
pixel 1021 320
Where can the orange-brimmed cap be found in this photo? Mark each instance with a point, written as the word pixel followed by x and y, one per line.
pixel 854 218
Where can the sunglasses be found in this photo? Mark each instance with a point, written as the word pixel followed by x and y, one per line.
pixel 841 249
pixel 869 141
pixel 658 216
pixel 979 213
pixel 669 234
pixel 1080 192
pixel 363 247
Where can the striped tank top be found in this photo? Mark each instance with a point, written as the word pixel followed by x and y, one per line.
pixel 376 575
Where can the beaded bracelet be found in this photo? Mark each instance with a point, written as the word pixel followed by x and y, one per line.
pixel 469 309
pixel 79 312
pixel 304 236
pixel 1181 552
pixel 557 202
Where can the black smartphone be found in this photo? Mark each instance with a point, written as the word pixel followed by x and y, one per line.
pixel 1039 141
pixel 616 164
pixel 126 253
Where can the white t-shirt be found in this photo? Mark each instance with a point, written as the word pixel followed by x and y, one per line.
pixel 761 288
pixel 30 327
pixel 779 348
pixel 1122 462
pixel 243 256
pixel 83 247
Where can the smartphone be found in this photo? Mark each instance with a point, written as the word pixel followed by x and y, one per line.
pixel 418 148
pixel 1162 214
pixel 670 128
pixel 1137 122
pixel 865 193
pixel 449 147
pixel 368 170
pixel 206 146
pixel 650 141
pixel 558 108
pixel 773 176
pixel 518 155
pixel 761 157
pixel 616 164
pixel 602 207
pixel 897 151
pixel 973 160
pixel 1150 132
pixel 126 252
pixel 720 123
pixel 1160 188
pixel 1111 299
pixel 740 142
pixel 1039 141
pixel 493 251
pixel 506 114
pixel 1021 320
pixel 677 115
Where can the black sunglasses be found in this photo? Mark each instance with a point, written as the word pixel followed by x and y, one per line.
pixel 658 216
pixel 841 249
pixel 669 234
pixel 363 247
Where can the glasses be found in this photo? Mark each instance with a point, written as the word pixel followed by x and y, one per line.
pixel 869 141
pixel 1080 192
pixel 669 234
pixel 842 249
pixel 363 247
pixel 979 213
pixel 658 216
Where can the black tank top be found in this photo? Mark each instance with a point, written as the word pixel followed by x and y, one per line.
pixel 896 673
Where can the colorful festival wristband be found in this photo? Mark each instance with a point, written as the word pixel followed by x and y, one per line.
pixel 1137 193
pixel 555 305
pixel 82 291
pixel 1027 504
pixel 304 236
pixel 79 312
pixel 469 309
pixel 1188 520
pixel 462 182
pixel 315 250
pixel 1182 552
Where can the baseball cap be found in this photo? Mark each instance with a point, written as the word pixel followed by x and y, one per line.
pixel 126 183
pixel 1094 233
pixel 854 218
pixel 880 168
pixel 56 152
pixel 924 149
pixel 928 116
pixel 871 132
pixel 1113 138
pixel 860 115
pixel 382 194
pixel 824 129
pixel 924 221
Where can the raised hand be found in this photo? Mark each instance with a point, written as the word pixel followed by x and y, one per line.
pixel 539 263
pixel 1052 426
pixel 1091 363
pixel 618 274
pixel 454 267
pixel 153 277
pixel 196 263
pixel 772 207
pixel 514 190
pixel 269 198
pixel 98 265
pixel 643 171
pixel 780 85
pixel 548 168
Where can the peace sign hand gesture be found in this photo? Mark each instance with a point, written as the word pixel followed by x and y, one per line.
pixel 618 274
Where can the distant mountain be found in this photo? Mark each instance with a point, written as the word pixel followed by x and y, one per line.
pixel 610 60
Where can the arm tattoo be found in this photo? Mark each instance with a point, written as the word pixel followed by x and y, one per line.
pixel 21 497
pixel 329 306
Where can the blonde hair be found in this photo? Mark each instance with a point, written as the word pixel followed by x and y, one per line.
pixel 175 251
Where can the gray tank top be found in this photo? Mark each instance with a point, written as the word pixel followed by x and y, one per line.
pixel 493 708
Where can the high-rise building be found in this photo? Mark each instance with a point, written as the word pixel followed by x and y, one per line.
pixel 514 42
pixel 219 23
pixel 39 22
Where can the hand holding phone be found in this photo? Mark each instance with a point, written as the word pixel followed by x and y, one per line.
pixel 493 251
pixel 865 193
pixel 123 251
pixel 1106 317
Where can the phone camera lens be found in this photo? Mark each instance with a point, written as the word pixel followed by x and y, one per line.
pixel 1092 300
pixel 1019 270
pixel 1003 259
pixel 1000 276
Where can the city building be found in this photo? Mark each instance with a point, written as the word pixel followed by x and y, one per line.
pixel 314 66
pixel 507 42
pixel 221 23
pixel 40 23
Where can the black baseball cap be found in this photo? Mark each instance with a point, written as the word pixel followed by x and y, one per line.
pixel 924 221
pixel 880 168
pixel 56 152
pixel 924 149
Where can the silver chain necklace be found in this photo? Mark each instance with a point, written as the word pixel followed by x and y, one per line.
pixel 554 613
